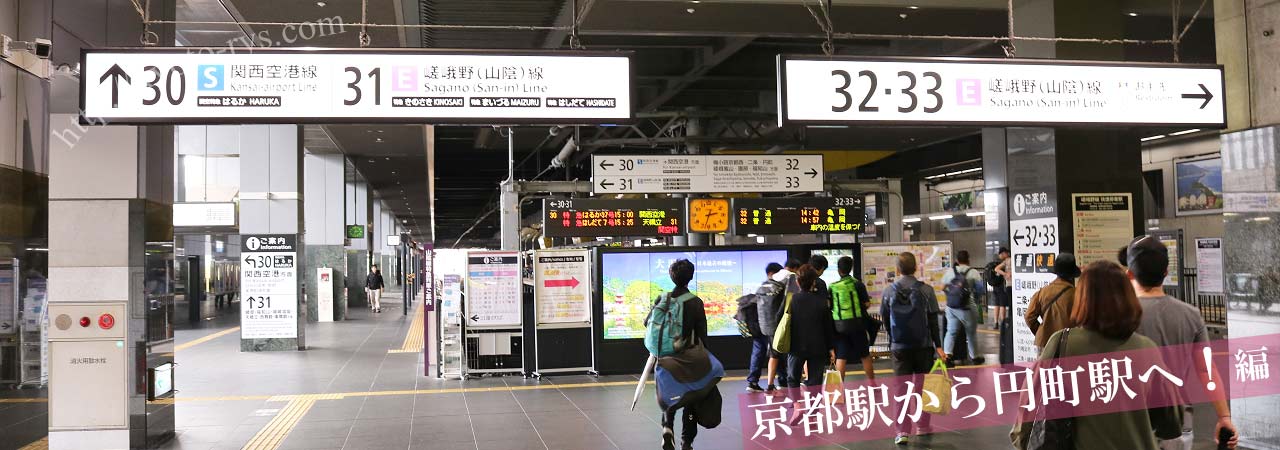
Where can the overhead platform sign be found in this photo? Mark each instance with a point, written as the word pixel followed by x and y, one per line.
pixel 997 92
pixel 174 85
pixel 675 174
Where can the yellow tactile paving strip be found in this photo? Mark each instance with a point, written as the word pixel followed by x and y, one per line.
pixel 272 435
pixel 413 340
pixel 42 444
pixel 204 339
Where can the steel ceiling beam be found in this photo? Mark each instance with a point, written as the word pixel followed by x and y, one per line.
pixel 555 38
pixel 710 59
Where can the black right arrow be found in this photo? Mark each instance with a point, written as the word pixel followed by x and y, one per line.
pixel 812 173
pixel 116 73
pixel 603 165
pixel 1205 95
pixel 605 184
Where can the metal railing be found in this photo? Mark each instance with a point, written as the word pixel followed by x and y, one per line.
pixel 1213 307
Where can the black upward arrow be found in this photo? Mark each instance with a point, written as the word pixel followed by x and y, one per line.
pixel 1205 95
pixel 116 73
pixel 603 165
pixel 812 173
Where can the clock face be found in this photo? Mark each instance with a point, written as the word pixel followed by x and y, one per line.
pixel 708 215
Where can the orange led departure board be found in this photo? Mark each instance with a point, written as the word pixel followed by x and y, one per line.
pixel 822 215
pixel 615 218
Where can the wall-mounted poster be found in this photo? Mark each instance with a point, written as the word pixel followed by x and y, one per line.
pixel 1199 186
pixel 880 261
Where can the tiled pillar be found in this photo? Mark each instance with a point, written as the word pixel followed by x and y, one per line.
pixel 323 197
pixel 271 203
pixel 357 249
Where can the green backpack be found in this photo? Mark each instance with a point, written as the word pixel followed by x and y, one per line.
pixel 845 305
pixel 665 324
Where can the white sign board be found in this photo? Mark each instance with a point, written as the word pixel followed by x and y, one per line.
pixel 204 214
pixel 268 286
pixel 169 85
pixel 662 174
pixel 324 294
pixel 1102 223
pixel 1035 246
pixel 494 292
pixel 562 287
pixel 870 90
pixel 393 240
pixel 1209 265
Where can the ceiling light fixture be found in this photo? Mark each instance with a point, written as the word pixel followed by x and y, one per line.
pixel 911 220
pixel 1180 133
pixel 1152 138
pixel 941 217
pixel 690 10
pixel 913 7
pixel 378 140
pixel 879 223
pixel 1133 14
pixel 975 213
pixel 321 4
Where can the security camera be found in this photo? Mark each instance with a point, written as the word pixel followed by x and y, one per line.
pixel 43 48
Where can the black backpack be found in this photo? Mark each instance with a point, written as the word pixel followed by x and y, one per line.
pixel 958 290
pixel 990 276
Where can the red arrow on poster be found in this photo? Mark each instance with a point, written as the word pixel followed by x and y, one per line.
pixel 572 282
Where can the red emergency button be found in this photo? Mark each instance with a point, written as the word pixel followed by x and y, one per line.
pixel 84 322
pixel 106 321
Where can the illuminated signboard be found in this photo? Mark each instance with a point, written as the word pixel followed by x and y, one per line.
pixel 600 217
pixel 824 215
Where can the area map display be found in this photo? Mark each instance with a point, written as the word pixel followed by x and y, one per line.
pixel 631 281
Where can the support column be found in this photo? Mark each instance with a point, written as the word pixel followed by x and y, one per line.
pixel 271 203
pixel 357 213
pixel 1247 49
pixel 323 197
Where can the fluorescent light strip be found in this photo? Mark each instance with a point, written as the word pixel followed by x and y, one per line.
pixel 942 217
pixel 1152 138
pixel 976 213
pixel 958 172
pixel 911 220
pixel 879 222
pixel 1180 133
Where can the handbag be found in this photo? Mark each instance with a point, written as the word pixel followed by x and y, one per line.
pixel 1053 434
pixel 782 337
pixel 940 385
pixel 833 383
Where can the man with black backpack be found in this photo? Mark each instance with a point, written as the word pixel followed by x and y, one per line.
pixel 765 313
pixel 910 312
pixel 963 286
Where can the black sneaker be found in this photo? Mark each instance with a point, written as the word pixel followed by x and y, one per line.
pixel 668 439
pixel 978 360
pixel 754 388
pixel 771 389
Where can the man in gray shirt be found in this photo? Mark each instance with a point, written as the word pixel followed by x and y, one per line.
pixel 1171 322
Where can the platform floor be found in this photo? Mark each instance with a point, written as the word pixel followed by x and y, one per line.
pixel 359 386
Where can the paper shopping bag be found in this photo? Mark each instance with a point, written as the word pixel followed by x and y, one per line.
pixel 938 383
pixel 833 386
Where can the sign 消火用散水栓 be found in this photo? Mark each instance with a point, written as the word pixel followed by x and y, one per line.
pixel 700 174
pixel 176 85
pixel 1003 92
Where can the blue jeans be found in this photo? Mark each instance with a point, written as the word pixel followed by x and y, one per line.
pixel 962 319
pixel 759 358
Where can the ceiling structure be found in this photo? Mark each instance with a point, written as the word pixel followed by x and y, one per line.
pixel 712 55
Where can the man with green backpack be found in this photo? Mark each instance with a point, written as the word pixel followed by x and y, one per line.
pixel 685 374
pixel 849 311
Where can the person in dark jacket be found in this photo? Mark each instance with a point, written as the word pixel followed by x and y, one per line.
pixel 373 285
pixel 767 321
pixel 915 341
pixel 693 326
pixel 812 332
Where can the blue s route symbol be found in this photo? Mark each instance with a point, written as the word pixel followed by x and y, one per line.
pixel 211 77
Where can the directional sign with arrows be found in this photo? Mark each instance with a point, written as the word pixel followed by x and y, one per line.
pixel 1003 92
pixel 494 295
pixel 115 73
pixel 562 293
pixel 675 174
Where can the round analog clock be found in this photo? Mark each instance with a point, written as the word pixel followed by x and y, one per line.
pixel 708 215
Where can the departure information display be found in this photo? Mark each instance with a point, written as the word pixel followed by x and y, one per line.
pixel 824 215
pixel 602 217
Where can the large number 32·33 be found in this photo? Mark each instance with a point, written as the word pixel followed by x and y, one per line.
pixel 846 101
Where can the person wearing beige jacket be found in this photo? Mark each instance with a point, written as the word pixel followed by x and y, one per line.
pixel 1050 307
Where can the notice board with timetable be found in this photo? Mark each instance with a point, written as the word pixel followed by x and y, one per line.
pixel 494 290
pixel 562 287
pixel 268 286
pixel 1102 223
